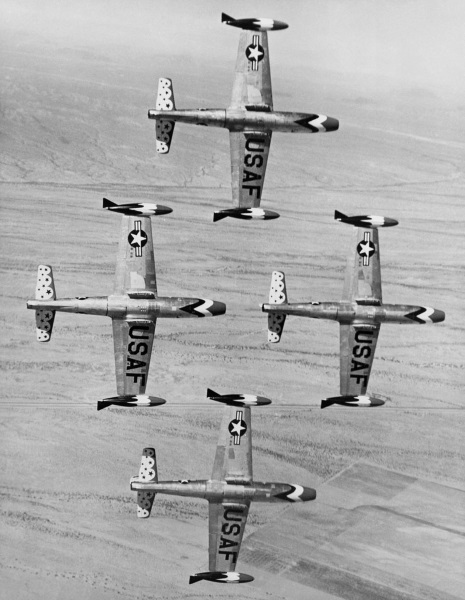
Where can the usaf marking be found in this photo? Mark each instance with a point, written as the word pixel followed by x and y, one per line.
pixel 253 159
pixel 137 348
pixel 237 428
pixel 231 530
pixel 366 248
pixel 137 238
pixel 361 350
pixel 254 52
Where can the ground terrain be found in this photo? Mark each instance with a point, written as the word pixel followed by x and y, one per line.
pixel 388 518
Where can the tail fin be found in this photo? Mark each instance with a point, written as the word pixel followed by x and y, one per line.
pixel 164 128
pixel 212 394
pixel 278 295
pixel 338 216
pixel 147 472
pixel 107 203
pixel 225 17
pixel 45 290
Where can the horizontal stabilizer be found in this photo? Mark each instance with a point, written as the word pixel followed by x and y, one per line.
pixel 137 401
pixel 368 221
pixel 164 129
pixel 45 290
pixel 238 399
pixel 147 472
pixel 137 209
pixel 361 401
pixel 278 295
pixel 221 577
pixel 246 214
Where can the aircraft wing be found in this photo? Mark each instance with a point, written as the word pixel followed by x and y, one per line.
pixel 357 351
pixel 252 81
pixel 363 274
pixel 133 341
pixel 226 527
pixel 233 458
pixel 249 157
pixel 135 264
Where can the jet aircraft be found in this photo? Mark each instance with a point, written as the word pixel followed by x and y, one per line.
pixel 229 492
pixel 250 119
pixel 134 306
pixel 360 313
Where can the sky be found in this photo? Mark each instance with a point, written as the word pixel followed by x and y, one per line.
pixel 412 43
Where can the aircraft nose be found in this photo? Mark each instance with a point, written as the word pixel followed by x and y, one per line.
pixel 280 25
pixel 438 316
pixel 331 124
pixel 217 308
pixel 308 494
pixel 376 402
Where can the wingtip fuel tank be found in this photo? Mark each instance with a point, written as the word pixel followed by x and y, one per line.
pixel 246 214
pixel 136 401
pixel 238 399
pixel 369 221
pixel 254 24
pixel 138 209
pixel 359 401
pixel 221 577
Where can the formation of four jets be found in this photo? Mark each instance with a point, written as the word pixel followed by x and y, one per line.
pixel 134 306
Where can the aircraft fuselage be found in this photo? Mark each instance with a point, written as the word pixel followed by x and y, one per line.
pixel 254 119
pixel 125 307
pixel 348 312
pixel 219 490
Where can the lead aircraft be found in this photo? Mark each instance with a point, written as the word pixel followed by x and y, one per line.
pixel 229 492
pixel 250 118
pixel 360 313
pixel 134 306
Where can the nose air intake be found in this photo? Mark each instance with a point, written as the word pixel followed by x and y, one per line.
pixel 331 124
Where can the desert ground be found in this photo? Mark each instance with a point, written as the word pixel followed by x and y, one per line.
pixel 389 514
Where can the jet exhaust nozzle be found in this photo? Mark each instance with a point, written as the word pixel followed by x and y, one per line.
pixel 246 214
pixel 137 209
pixel 361 401
pixel 221 577
pixel 368 221
pixel 238 399
pixel 136 401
